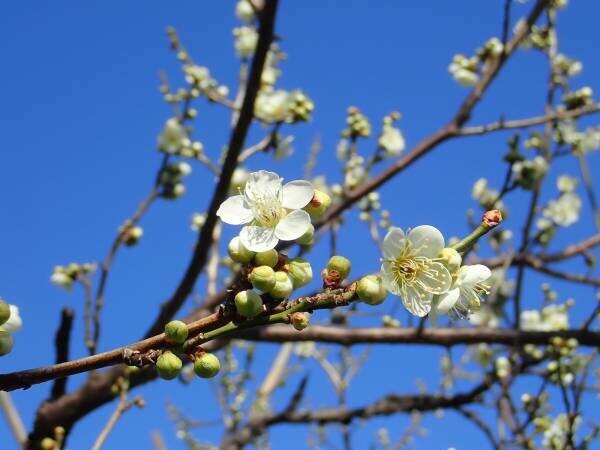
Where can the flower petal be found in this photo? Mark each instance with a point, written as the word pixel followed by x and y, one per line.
pixel 292 226
pixel 417 302
pixel 234 212
pixel 297 194
pixel 263 184
pixel 470 275
pixel 387 276
pixel 426 240
pixel 447 301
pixel 394 243
pixel 258 239
pixel 436 279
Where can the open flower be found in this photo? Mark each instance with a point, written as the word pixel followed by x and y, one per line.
pixel 465 297
pixel 411 268
pixel 270 210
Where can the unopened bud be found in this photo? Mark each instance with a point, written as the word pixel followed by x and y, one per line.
pixel 168 365
pixel 263 278
pixel 238 252
pixel 176 332
pixel 308 237
pixel 338 268
pixel 451 259
pixel 269 258
pixel 492 218
pixel 248 303
pixel 207 365
pixel 48 444
pixel 370 290
pixel 132 236
pixel 6 342
pixel 318 204
pixel 300 320
pixel 4 311
pixel 300 272
pixel 283 285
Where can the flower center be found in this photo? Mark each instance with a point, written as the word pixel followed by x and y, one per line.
pixel 267 211
pixel 406 270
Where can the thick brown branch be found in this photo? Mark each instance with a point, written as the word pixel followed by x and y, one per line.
pixel 236 143
pixel 61 342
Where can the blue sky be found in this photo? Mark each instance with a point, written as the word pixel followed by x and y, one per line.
pixel 80 113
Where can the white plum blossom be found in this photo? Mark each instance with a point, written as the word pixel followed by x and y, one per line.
pixel 269 210
pixel 551 318
pixel 465 295
pixel 61 279
pixel 556 434
pixel 464 70
pixel 238 179
pixel 14 322
pixel 246 39
pixel 566 183
pixel 172 137
pixel 244 11
pixel 272 106
pixel 391 140
pixel 411 268
pixel 565 210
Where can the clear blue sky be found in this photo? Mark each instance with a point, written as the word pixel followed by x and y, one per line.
pixel 79 117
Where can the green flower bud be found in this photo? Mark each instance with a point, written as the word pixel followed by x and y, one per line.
pixel 176 331
pixel 248 303
pixel 168 365
pixel 318 204
pixel 48 444
pixel 283 285
pixel 238 252
pixel 370 290
pixel 4 311
pixel 269 258
pixel 299 271
pixel 308 237
pixel 341 265
pixel 132 236
pixel 300 320
pixel 451 259
pixel 207 365
pixel 6 342
pixel 263 278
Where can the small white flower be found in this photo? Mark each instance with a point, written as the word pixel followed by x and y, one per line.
pixel 270 211
pixel 551 318
pixel 411 269
pixel 272 106
pixel 172 137
pixel 61 279
pixel 564 211
pixel 502 367
pixel 565 183
pixel 244 11
pixel 391 140
pixel 246 39
pixel 479 188
pixel 238 179
pixel 467 291
pixel 14 323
